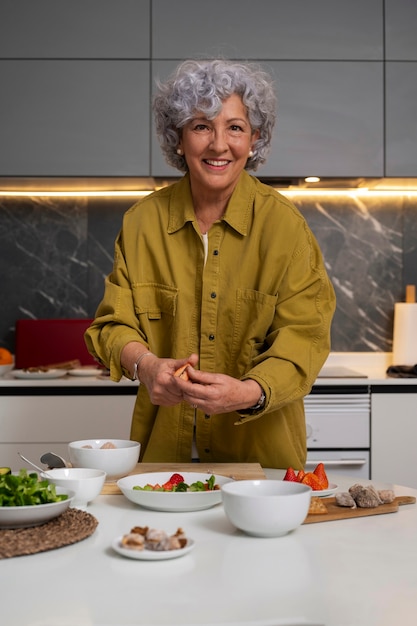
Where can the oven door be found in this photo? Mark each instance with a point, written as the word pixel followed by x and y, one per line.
pixel 352 463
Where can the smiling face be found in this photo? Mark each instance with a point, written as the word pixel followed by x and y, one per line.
pixel 216 150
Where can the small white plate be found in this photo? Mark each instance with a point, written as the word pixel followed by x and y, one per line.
pixel 177 501
pixel 85 371
pixel 38 375
pixel 324 493
pixel 151 555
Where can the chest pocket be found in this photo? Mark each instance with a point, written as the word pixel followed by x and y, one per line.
pixel 155 301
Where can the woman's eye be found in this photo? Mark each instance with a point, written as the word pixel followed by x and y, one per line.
pixel 200 127
pixel 236 128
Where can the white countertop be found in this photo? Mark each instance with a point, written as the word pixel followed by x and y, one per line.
pixel 358 572
pixel 372 365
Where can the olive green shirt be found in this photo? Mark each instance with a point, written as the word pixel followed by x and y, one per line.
pixel 260 306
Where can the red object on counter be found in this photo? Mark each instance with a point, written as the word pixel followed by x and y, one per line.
pixel 47 341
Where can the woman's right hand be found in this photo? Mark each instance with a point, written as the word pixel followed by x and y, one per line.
pixel 158 377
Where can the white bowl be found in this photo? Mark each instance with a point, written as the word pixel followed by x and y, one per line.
pixel 266 508
pixel 171 501
pixel 116 462
pixel 5 369
pixel 36 514
pixel 85 483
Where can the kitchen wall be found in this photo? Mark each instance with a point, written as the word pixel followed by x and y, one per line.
pixel 55 253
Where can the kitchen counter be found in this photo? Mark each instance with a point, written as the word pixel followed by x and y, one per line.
pixel 358 572
pixel 341 368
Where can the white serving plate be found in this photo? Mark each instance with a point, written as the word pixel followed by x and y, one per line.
pixel 36 514
pixel 324 493
pixel 151 555
pixel 38 375
pixel 171 501
pixel 85 371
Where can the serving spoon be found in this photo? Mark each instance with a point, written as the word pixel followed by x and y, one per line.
pixel 40 469
pixel 53 460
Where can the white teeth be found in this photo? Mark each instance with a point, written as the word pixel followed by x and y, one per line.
pixel 216 163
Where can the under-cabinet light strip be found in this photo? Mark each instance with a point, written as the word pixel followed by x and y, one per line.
pixel 141 193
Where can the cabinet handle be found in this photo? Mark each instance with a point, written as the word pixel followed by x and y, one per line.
pixel 336 462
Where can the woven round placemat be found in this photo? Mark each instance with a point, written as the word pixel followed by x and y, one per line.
pixel 72 526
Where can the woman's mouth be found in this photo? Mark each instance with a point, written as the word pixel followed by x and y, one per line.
pixel 216 162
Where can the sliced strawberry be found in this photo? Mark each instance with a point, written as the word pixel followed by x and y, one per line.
pixel 290 475
pixel 176 479
pixel 312 481
pixel 168 486
pixel 320 472
pixel 300 476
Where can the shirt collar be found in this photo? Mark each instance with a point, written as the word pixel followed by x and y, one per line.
pixel 237 213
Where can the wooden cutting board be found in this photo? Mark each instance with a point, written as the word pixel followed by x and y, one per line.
pixel 238 471
pixel 335 512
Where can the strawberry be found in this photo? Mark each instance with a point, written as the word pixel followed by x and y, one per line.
pixel 312 481
pixel 320 472
pixel 300 476
pixel 176 479
pixel 168 486
pixel 290 475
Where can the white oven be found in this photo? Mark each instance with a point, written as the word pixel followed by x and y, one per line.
pixel 338 422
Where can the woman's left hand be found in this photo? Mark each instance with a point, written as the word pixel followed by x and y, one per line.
pixel 218 393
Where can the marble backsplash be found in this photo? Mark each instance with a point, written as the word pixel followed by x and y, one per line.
pixel 56 252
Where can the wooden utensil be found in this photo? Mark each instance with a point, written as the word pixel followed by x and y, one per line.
pixel 335 512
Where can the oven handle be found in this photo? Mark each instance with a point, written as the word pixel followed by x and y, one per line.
pixel 337 462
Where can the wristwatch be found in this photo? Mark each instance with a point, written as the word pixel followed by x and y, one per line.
pixel 260 404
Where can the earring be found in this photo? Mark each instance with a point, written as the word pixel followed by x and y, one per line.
pixel 251 153
pixel 179 152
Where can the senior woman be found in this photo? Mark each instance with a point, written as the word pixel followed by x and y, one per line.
pixel 221 272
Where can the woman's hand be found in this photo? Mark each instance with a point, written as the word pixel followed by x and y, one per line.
pixel 158 377
pixel 218 393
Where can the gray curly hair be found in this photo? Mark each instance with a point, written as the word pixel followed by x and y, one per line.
pixel 202 86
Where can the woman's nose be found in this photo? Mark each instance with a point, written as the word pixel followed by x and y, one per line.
pixel 218 141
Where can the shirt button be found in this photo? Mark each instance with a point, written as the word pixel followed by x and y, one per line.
pixel 206 450
pixel 213 294
pixel 211 337
pixel 215 252
pixel 207 417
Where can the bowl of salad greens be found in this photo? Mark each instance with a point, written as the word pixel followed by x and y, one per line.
pixel 26 500
pixel 176 492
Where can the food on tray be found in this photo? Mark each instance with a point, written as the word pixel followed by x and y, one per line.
pixel 25 489
pixel 145 538
pixel 317 506
pixel 176 483
pixel 6 357
pixel 181 372
pixel 366 497
pixel 317 479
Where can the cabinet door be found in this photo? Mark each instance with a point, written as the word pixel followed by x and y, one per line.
pixel 76 29
pixel 267 29
pixel 74 118
pixel 330 120
pixel 400 30
pixel 34 425
pixel 401 118
pixel 393 438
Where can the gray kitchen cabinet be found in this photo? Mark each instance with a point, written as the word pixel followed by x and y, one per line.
pixel 401 118
pixel 330 120
pixel 400 30
pixel 268 29
pixel 394 436
pixel 75 29
pixel 74 118
pixel 35 424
